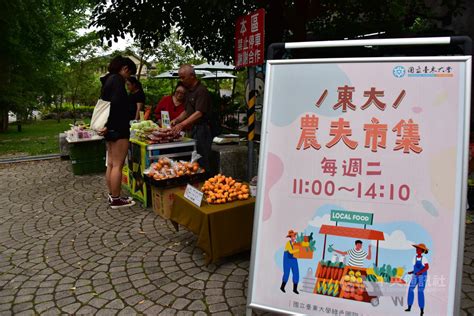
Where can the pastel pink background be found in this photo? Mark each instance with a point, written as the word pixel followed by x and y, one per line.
pixel 434 104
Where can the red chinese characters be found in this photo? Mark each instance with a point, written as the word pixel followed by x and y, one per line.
pixel 345 95
pixel 309 125
pixel 340 129
pixel 375 135
pixel 410 137
pixel 345 98
pixel 249 39
pixel 372 95
pixel 351 168
pixel 407 133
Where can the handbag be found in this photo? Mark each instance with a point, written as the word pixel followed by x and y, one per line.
pixel 100 115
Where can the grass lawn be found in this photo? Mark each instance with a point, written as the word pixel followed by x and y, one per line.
pixel 36 138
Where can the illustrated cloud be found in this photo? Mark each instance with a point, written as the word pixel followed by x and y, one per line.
pixel 395 241
pixel 317 221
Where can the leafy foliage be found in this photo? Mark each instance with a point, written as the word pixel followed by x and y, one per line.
pixel 38 40
pixel 208 25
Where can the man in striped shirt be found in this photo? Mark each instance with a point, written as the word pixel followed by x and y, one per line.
pixel 356 255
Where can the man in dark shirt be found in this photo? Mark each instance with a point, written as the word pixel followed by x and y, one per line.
pixel 198 109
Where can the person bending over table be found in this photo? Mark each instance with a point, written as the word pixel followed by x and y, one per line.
pixel 197 114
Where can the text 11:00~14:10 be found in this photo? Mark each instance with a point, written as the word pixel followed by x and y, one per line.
pixel 373 191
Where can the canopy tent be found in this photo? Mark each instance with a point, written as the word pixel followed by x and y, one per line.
pixel 352 232
pixel 215 67
pixel 173 74
pixel 219 75
pixel 170 74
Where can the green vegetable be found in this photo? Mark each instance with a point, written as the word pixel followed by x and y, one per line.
pixel 312 245
pixel 376 269
pixel 371 278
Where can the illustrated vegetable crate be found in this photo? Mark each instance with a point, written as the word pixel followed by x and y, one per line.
pixel 330 281
pixel 330 272
pixel 305 245
pixel 304 252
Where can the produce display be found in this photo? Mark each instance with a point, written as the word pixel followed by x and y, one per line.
pixel 163 135
pixel 166 168
pixel 385 274
pixel 330 270
pixel 221 189
pixel 151 133
pixel 352 286
pixel 328 287
pixel 80 131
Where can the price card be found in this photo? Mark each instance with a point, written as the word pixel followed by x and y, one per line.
pixel 194 195
pixel 165 119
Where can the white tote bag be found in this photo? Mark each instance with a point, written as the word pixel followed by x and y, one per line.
pixel 100 115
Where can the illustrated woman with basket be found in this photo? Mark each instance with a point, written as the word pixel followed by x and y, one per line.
pixel 290 263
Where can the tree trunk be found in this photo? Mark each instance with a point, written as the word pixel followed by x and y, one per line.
pixel 74 95
pixel 139 72
pixel 4 119
pixel 58 107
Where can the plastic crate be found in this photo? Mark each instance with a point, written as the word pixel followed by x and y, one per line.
pixel 80 167
pixel 87 150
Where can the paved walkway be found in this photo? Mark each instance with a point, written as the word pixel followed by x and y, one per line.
pixel 63 251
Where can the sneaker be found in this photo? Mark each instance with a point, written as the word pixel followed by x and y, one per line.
pixel 109 198
pixel 121 202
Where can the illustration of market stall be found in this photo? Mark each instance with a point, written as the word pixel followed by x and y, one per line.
pixel 337 279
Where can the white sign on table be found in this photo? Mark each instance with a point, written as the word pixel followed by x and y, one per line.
pixel 194 195
pixel 165 119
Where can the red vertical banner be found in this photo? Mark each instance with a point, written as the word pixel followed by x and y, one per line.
pixel 249 39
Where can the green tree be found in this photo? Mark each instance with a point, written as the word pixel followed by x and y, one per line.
pixel 38 40
pixel 208 25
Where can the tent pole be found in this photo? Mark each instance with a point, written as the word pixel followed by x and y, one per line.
pixel 377 255
pixel 324 247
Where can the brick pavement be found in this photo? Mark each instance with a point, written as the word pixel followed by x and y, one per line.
pixel 63 251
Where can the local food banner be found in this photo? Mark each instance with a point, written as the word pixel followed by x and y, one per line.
pixel 361 183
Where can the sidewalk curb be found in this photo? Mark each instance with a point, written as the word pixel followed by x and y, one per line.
pixel 29 158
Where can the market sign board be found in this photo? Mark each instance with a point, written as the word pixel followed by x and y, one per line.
pixel 352 217
pixel 194 195
pixel 250 39
pixel 343 136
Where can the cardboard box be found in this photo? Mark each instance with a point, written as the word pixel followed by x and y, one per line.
pixel 162 198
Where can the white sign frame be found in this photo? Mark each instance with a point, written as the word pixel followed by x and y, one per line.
pixel 194 195
pixel 461 173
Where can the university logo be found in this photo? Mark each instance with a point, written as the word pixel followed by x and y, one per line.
pixel 399 71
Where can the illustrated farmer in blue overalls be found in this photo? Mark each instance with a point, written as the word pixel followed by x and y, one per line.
pixel 419 278
pixel 290 263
